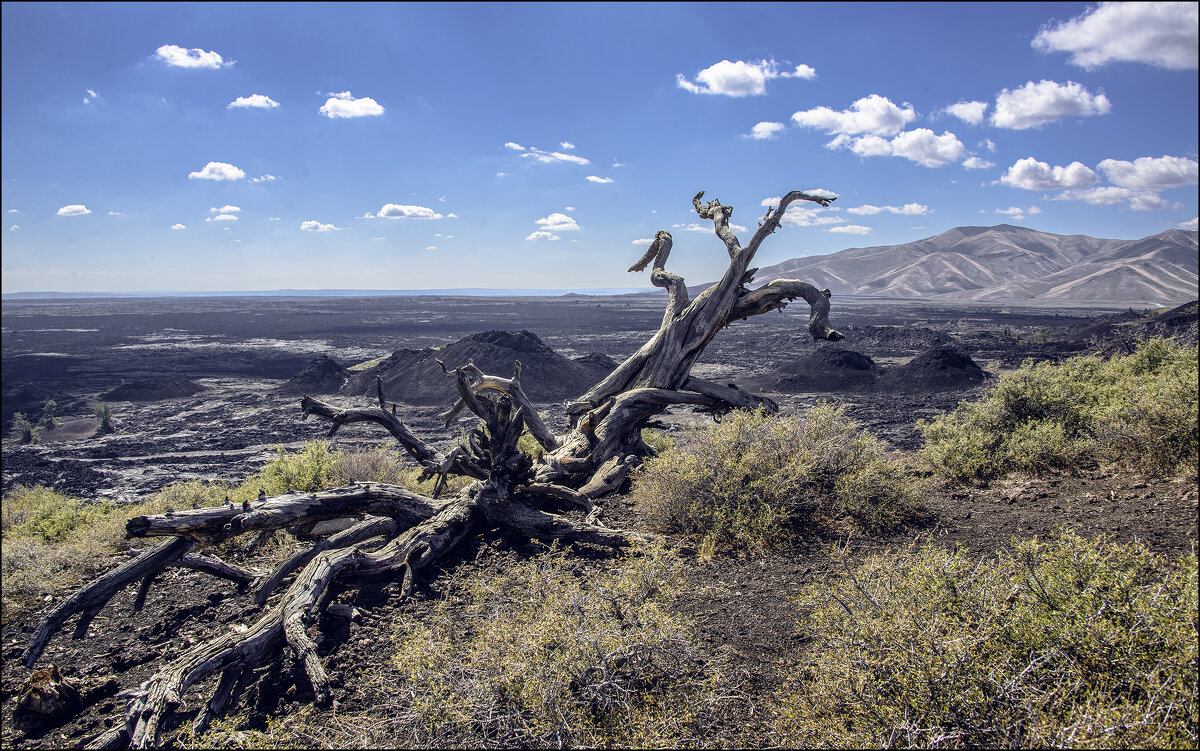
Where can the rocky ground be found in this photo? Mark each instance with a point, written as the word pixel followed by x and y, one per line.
pixel 200 388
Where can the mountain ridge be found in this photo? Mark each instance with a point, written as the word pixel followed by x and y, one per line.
pixel 1005 263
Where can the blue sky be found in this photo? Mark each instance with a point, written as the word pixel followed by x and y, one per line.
pixel 407 146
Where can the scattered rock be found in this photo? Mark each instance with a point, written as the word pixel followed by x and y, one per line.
pixel 47 695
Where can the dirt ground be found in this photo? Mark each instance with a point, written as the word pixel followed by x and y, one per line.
pixel 242 350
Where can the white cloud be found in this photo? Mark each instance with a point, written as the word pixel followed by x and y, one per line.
pixel 643 241
pixel 254 101
pixel 921 145
pixel 851 229
pixel 595 179
pixel 969 112
pixel 566 145
pixel 264 179
pixel 928 149
pixel 1030 174
pixel 225 210
pixel 908 209
pixel 1148 202
pixel 1017 213
pixel 272 219
pixel 694 227
pixel 430 247
pixel 115 213
pixel 1150 173
pixel 1159 34
pixel 514 146
pixel 740 78
pixel 222 218
pixel 314 226
pixel 400 211
pixel 217 171
pixel 379 238
pixel 344 105
pixel 543 235
pixel 988 144
pixel 975 162
pixel 178 226
pixel 1108 195
pixel 14 211
pixel 195 58
pixel 765 131
pixel 91 97
pixel 74 209
pixel 1190 224
pixel 14 227
pixel 549 157
pixel 1035 104
pixel 873 114
pixel 501 174
pixel 557 222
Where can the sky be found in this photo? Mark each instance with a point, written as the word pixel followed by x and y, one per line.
pixel 212 146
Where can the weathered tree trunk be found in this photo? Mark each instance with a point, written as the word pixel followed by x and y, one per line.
pixel 400 533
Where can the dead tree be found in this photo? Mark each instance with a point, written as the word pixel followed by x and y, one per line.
pixel 400 533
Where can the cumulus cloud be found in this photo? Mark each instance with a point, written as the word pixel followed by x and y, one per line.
pixel 975 162
pixel 873 114
pixel 115 213
pixel 14 211
pixel 314 226
pixel 921 145
pixel 1035 104
pixel 194 58
pixel 566 145
pixel 264 179
pixel 557 222
pixel 740 78
pixel 1108 195
pixel 908 209
pixel 695 227
pixel 400 211
pixel 851 229
pixel 1159 34
pixel 217 171
pixel 595 179
pixel 1030 174
pixel 1017 213
pixel 254 101
pixel 514 146
pixel 226 209
pixel 91 97
pixel 344 105
pixel 988 144
pixel 1190 224
pixel 178 226
pixel 222 218
pixel 968 112
pixel 542 235
pixel 74 209
pixel 1150 173
pixel 765 131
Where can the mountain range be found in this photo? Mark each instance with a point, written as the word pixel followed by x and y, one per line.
pixel 1008 263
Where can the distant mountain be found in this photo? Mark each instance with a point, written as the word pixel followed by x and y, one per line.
pixel 1004 263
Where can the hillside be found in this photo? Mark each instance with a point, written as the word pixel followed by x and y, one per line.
pixel 1005 263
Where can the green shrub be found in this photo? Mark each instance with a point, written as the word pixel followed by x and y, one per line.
pixel 546 654
pixel 746 481
pixel 24 430
pixel 103 413
pixel 1066 642
pixel 1136 410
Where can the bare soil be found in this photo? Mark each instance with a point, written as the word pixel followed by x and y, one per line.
pixel 244 350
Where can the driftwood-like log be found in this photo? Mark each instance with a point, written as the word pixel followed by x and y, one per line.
pixel 401 533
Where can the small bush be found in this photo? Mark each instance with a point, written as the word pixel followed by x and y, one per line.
pixel 545 654
pixel 24 430
pixel 103 413
pixel 1064 642
pixel 1136 410
pixel 746 481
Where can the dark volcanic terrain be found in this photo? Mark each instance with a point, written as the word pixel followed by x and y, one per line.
pixel 208 387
